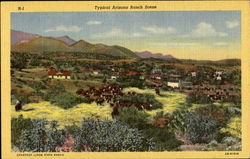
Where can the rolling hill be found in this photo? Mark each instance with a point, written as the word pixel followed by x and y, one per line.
pixel 19 36
pixel 66 39
pixel 40 45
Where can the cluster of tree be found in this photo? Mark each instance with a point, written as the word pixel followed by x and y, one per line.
pixel 198 98
pixel 142 98
pixel 131 81
pixel 97 56
pixel 58 95
pixel 164 138
pixel 67 100
pixel 221 63
pixel 19 60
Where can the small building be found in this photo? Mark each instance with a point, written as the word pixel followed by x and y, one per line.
pixel 173 84
pixel 59 74
pixel 156 76
pixel 193 74
pixel 114 77
pixel 129 73
pixel 96 72
pixel 218 78
pixel 156 70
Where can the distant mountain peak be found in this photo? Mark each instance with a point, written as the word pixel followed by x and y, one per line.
pixel 148 54
pixel 19 36
pixel 66 39
pixel 81 42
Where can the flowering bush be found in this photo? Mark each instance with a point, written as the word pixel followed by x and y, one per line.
pixel 41 138
pixel 109 136
pixel 200 129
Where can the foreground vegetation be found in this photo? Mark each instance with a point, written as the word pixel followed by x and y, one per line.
pixel 216 125
pixel 71 122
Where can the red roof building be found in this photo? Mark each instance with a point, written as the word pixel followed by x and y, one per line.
pixel 59 74
pixel 129 73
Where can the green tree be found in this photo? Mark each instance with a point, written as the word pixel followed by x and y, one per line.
pixel 133 117
pixel 198 99
pixel 18 125
pixel 163 138
pixel 56 89
pixel 67 100
pixel 37 86
pixel 142 98
pixel 18 60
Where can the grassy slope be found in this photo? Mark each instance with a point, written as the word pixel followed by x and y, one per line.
pixel 64 117
pixel 46 110
pixel 170 100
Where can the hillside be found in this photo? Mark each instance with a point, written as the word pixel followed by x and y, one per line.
pixel 66 39
pixel 18 36
pixel 47 45
pixel 39 45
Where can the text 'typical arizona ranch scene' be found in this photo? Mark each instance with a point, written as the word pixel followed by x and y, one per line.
pixel 125 81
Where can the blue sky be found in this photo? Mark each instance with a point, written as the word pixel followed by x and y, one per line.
pixel 166 32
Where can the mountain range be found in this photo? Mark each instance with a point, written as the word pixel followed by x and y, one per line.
pixel 36 44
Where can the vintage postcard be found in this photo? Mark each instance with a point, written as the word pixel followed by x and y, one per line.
pixel 123 79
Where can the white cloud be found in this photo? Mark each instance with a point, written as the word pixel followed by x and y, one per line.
pixel 94 22
pixel 175 45
pixel 158 30
pixel 205 29
pixel 63 28
pixel 116 32
pixel 137 35
pixel 232 24
pixel 221 44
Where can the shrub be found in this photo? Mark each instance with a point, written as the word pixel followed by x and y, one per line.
pixel 178 120
pixel 23 98
pixel 219 114
pixel 131 81
pixel 72 129
pixel 37 86
pixel 133 117
pixel 67 100
pixel 163 138
pixel 142 98
pixel 56 89
pixel 17 126
pixel 41 138
pixel 200 129
pixel 230 141
pixel 198 99
pixel 109 136
pixel 18 60
pixel 233 127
